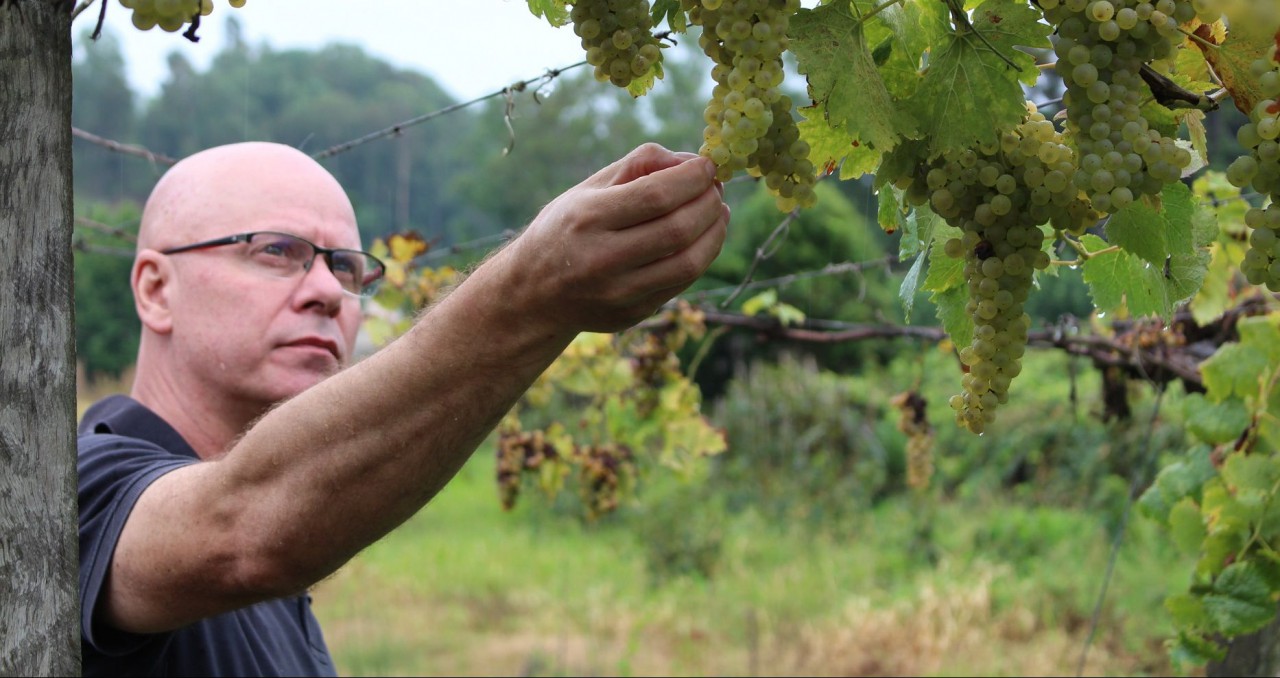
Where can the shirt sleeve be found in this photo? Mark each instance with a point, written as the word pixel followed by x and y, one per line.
pixel 113 471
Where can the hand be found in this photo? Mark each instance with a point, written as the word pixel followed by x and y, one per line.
pixel 610 251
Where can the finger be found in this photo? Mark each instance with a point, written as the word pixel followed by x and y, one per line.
pixel 673 232
pixel 641 161
pixel 680 269
pixel 654 195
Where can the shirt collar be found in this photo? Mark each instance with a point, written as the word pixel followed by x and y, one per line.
pixel 122 415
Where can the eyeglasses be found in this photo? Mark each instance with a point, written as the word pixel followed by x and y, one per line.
pixel 284 256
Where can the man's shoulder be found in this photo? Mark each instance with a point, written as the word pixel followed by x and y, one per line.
pixel 119 422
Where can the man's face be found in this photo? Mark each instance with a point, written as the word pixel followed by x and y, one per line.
pixel 248 334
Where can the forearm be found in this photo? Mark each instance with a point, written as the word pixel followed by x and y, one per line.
pixel 343 463
pixel 333 469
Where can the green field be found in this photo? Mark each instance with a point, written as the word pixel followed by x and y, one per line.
pixel 465 589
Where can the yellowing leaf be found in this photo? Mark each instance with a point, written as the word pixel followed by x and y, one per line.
pixel 405 246
pixel 1247 41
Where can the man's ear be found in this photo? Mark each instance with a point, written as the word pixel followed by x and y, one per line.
pixel 152 280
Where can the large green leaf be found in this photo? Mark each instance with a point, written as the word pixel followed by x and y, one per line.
pixel 1233 370
pixel 1121 280
pixel 970 89
pixel 1183 478
pixel 1241 600
pixel 831 50
pixel 1215 423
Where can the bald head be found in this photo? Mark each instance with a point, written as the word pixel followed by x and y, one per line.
pixel 220 191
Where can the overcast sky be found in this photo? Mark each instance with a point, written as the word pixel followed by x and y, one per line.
pixel 470 47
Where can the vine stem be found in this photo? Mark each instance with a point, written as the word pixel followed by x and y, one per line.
pixel 879 8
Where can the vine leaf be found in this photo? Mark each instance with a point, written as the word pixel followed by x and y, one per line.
pixel 1241 600
pixel 1231 58
pixel 969 90
pixel 554 11
pixel 1163 260
pixel 832 147
pixel 919 230
pixel 1183 478
pixel 950 293
pixel 1215 423
pixel 832 52
pixel 1234 369
pixel 1218 290
pixel 669 10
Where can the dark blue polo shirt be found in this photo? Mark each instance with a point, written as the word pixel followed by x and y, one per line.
pixel 123 447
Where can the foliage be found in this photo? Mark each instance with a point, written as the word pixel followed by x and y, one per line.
pixel 1219 499
pixel 805 445
pixel 893 87
pixel 899 84
pixel 107 328
pixel 635 410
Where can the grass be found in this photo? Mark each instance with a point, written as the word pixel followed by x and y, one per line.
pixel 465 589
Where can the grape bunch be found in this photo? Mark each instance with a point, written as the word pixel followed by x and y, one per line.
pixel 169 15
pixel 1261 169
pixel 1101 48
pixel 748 118
pixel 618 38
pixel 654 363
pixel 914 422
pixel 519 451
pixel 606 471
pixel 998 195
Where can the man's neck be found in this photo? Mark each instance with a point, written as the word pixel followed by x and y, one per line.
pixel 210 426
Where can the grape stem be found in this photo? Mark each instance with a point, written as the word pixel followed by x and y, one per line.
pixel 1085 254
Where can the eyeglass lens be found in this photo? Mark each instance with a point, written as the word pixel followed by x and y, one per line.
pixel 286 255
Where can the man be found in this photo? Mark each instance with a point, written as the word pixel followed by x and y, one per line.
pixel 247 465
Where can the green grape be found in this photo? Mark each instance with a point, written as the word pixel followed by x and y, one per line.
pixel 745 40
pixel 1260 167
pixel 1104 93
pixel 998 195
pixel 617 38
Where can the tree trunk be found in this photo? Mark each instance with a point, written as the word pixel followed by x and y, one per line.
pixel 39 610
pixel 1254 654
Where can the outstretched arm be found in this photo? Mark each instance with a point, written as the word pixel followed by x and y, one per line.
pixel 332 470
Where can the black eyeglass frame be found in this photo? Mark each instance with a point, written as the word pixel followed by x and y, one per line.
pixel 367 289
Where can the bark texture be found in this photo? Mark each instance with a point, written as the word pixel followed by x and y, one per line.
pixel 39 618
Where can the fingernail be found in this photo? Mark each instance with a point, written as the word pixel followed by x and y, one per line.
pixel 709 167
